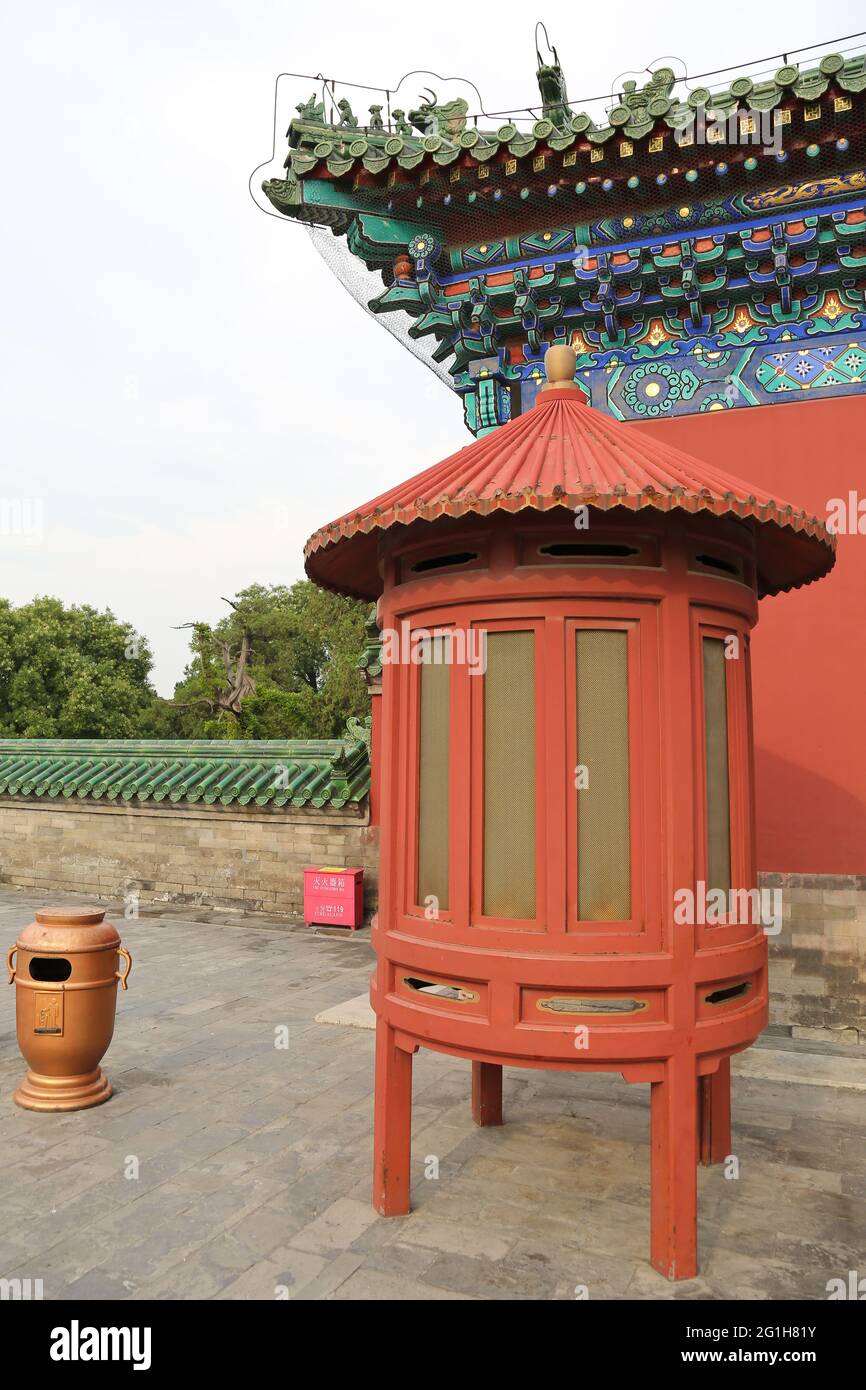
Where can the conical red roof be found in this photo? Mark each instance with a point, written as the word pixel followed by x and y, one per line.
pixel 564 454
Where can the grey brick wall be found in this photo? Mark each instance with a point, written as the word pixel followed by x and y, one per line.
pixel 239 857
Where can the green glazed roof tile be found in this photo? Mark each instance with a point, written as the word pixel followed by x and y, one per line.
pixel 635 130
pixel 521 145
pixel 635 117
pixel 811 86
pixel 765 97
pixel 319 772
pixel 303 163
pixel 338 167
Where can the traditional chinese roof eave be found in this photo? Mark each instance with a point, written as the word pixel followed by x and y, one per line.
pixel 342 151
pixel 562 454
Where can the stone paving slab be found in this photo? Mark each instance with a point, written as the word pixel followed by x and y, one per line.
pixel 227 1166
pixel 847 1073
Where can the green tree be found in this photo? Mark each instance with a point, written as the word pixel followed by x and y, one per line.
pixel 281 664
pixel 72 673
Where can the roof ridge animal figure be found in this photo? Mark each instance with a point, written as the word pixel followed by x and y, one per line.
pixel 449 119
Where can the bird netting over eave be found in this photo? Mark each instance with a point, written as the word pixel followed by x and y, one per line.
pixel 365 286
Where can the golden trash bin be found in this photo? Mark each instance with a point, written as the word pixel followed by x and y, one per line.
pixel 65 995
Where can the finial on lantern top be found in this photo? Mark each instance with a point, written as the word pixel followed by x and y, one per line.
pixel 560 362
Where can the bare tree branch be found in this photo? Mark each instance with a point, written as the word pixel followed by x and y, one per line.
pixel 240 684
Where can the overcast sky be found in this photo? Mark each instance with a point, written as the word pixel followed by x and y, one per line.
pixel 184 386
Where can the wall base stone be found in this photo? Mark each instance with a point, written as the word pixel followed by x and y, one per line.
pixel 818 959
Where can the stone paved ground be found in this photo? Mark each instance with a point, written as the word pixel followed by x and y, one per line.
pixel 254 1162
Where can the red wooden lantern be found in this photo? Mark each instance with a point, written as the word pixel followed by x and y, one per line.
pixel 566 773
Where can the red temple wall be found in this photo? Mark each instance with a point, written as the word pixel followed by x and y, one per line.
pixel 808 650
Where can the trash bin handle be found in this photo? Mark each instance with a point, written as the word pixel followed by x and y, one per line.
pixel 9 966
pixel 124 976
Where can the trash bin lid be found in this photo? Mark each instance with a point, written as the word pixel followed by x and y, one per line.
pixel 67 929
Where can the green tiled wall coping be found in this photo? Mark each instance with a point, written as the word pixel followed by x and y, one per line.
pixel 273 772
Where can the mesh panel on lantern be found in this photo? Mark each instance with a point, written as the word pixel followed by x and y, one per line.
pixel 716 736
pixel 509 775
pixel 603 839
pixel 433 776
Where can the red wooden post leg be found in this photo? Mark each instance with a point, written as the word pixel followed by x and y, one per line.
pixel 392 1125
pixel 673 1172
pixel 486 1093
pixel 715 1114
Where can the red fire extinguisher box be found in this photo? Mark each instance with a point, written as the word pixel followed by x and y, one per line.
pixel 334 896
